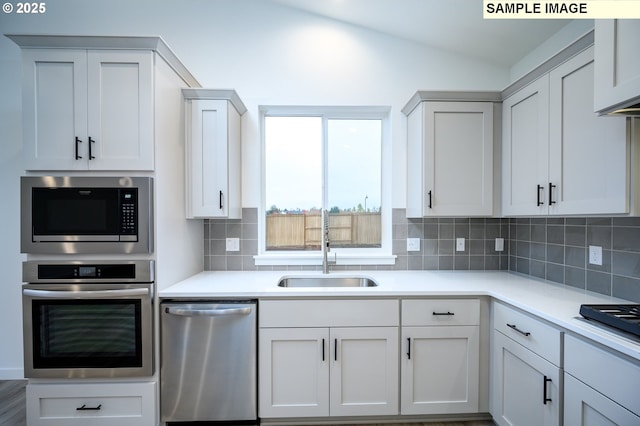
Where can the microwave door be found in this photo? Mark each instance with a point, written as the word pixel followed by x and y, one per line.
pixel 75 214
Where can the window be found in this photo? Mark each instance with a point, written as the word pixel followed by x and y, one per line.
pixel 324 159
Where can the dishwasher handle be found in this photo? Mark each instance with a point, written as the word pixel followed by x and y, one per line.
pixel 213 312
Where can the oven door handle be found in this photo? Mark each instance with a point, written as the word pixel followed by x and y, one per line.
pixel 218 312
pixel 91 294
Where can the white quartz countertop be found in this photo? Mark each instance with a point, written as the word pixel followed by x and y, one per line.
pixel 555 303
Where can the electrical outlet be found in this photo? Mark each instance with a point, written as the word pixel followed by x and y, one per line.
pixel 459 244
pixel 413 244
pixel 595 255
pixel 233 244
pixel 499 244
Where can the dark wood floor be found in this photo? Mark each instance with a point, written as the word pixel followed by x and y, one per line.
pixel 12 403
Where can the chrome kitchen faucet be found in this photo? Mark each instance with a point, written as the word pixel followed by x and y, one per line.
pixel 326 244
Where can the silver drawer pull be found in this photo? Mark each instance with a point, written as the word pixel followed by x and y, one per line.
pixel 513 327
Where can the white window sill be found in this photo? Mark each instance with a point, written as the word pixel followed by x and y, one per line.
pixel 304 259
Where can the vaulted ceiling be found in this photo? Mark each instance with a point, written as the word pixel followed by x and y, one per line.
pixel 453 25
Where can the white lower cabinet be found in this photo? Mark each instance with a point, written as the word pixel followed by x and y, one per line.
pixel 526 387
pixel 440 356
pixel 294 372
pixel 96 404
pixel 363 379
pixel 312 364
pixel 584 406
pixel 600 388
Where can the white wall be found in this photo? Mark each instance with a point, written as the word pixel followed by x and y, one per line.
pixel 268 53
pixel 567 35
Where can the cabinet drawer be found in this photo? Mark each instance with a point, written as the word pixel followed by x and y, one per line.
pixel 131 404
pixel 609 374
pixel 440 312
pixel 329 313
pixel 530 332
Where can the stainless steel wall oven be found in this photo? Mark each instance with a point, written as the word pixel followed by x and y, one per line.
pixel 82 215
pixel 85 319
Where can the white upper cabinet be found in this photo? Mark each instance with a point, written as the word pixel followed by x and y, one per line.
pixel 617 64
pixel 88 109
pixel 558 156
pixel 213 153
pixel 525 149
pixel 450 158
pixel 588 155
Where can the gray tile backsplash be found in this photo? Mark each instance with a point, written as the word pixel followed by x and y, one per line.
pixel 437 243
pixel 555 249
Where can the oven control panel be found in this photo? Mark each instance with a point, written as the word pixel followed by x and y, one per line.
pixel 65 272
pixel 79 271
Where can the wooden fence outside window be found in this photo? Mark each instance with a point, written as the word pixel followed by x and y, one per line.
pixel 304 231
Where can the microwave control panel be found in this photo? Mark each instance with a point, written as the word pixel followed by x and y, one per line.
pixel 128 214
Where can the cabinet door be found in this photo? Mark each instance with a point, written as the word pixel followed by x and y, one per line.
pixel 293 372
pixel 364 371
pixel 458 158
pixel 617 63
pixel 208 160
pixel 120 105
pixel 526 387
pixel 587 154
pixel 584 406
pixel 525 154
pixel 55 109
pixel 440 370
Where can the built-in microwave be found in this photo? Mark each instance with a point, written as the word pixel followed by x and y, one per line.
pixel 86 215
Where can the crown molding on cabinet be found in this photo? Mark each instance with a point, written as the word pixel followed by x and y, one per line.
pixel 571 50
pixel 155 43
pixel 220 94
pixel 450 96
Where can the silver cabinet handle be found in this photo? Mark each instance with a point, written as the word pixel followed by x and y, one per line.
pixel 95 294
pixel 190 312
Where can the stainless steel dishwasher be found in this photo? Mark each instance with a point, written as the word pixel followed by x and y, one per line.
pixel 208 366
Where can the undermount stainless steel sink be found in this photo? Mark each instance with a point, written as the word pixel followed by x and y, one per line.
pixel 327 281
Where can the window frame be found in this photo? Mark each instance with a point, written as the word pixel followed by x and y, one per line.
pixel 345 256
